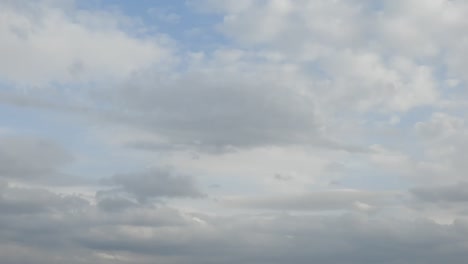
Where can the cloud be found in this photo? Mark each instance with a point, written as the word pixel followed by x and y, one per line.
pixel 226 101
pixel 311 121
pixel 327 200
pixel 244 97
pixel 30 201
pixel 400 46
pixel 155 183
pixel 147 233
pixel 47 42
pixel 113 203
pixel 29 158
pixel 282 238
pixel 248 239
pixel 222 102
pixel 443 138
pixel 445 193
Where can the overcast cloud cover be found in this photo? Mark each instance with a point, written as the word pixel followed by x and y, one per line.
pixel 233 131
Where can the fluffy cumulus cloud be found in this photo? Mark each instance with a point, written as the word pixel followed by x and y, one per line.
pixel 50 41
pixel 234 131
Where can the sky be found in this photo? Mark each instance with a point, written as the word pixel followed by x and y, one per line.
pixel 233 131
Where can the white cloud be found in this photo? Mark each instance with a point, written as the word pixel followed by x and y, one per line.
pixel 42 43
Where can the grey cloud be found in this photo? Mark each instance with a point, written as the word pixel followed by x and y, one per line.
pixel 30 158
pixel 282 238
pixel 250 106
pixel 38 218
pixel 39 221
pixel 16 200
pixel 444 193
pixel 40 100
pixel 137 215
pixel 317 201
pixel 206 108
pixel 148 234
pixel 155 183
pixel 283 177
pixel 445 146
pixel 114 203
pixel 298 239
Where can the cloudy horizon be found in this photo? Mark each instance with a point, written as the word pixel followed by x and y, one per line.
pixel 233 131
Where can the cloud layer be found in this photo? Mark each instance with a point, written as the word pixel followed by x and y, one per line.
pixel 236 131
